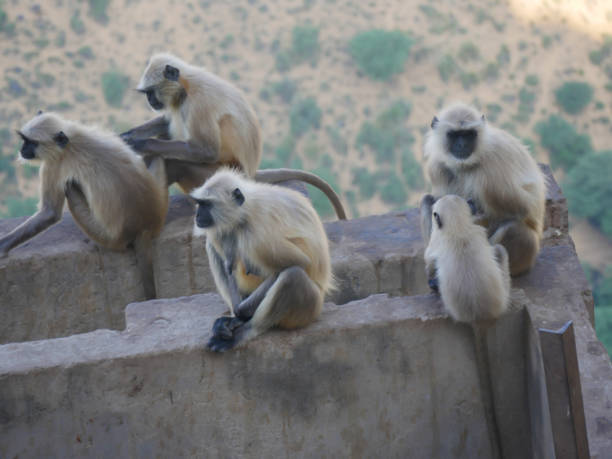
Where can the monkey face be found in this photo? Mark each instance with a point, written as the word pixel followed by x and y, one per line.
pixel 461 143
pixel 218 206
pixel 152 98
pixel 28 149
pixel 204 217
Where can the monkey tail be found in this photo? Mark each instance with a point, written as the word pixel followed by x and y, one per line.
pixel 143 246
pixel 281 175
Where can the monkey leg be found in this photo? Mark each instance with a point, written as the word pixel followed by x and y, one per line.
pixel 247 307
pixel 521 243
pixel 77 203
pixel 175 149
pixel 152 128
pixel 293 300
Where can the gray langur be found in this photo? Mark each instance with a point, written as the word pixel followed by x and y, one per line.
pixel 268 252
pixel 111 194
pixel 491 169
pixel 207 123
pixel 473 276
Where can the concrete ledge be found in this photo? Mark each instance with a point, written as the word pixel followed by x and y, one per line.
pixel 371 378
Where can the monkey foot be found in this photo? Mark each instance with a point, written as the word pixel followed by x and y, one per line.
pixel 224 333
pixel 433 285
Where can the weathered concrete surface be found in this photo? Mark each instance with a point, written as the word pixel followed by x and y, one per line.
pixel 60 283
pixel 380 377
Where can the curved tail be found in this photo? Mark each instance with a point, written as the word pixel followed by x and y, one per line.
pixel 281 175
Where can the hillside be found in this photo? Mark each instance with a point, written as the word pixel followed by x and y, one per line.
pixel 293 60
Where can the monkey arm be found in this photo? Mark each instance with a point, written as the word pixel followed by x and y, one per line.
pixel 225 282
pixel 175 149
pixel 425 213
pixel 249 305
pixel 152 128
pixel 38 222
pixel 77 203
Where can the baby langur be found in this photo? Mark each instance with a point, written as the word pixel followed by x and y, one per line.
pixel 206 123
pixel 268 252
pixel 495 173
pixel 112 196
pixel 473 276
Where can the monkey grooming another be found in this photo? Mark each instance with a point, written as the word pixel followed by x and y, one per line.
pixel 473 276
pixel 495 173
pixel 112 196
pixel 207 123
pixel 268 253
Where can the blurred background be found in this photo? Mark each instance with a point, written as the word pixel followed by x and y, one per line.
pixel 343 88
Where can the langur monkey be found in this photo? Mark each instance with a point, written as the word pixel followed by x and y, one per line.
pixel 473 276
pixel 112 196
pixel 495 173
pixel 206 123
pixel 268 253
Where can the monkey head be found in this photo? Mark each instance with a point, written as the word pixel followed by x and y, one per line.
pixel 43 137
pixel 162 82
pixel 459 130
pixel 451 214
pixel 221 202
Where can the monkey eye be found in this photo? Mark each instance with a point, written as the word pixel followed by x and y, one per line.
pixel 436 216
pixel 238 196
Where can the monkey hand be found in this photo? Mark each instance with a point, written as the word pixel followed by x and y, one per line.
pixel 428 200
pixel 433 285
pixel 138 145
pixel 224 333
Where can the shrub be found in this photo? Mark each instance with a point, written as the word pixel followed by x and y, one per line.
pixel 351 198
pixel 285 89
pixel 491 71
pixel 532 80
pixel 468 52
pixel 562 141
pixel 227 41
pixel 397 112
pixel 338 142
pixel 304 42
pixel 283 61
pixel 411 169
pixel 468 79
pixel 589 189
pixel 97 10
pixel 503 56
pixel 86 52
pixel 378 139
pixel 364 181
pixel 526 105
pixel 76 23
pixel 380 53
pixel 7 165
pixel 284 150
pixel 602 53
pixel 19 207
pixel 446 67
pixel 393 190
pixel 114 84
pixel 319 200
pixel 573 96
pixel 493 111
pixel 304 115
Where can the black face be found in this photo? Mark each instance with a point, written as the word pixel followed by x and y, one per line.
pixel 438 220
pixel 153 100
pixel 461 143
pixel 204 218
pixel 28 150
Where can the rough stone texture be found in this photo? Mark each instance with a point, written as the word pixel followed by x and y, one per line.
pixel 379 377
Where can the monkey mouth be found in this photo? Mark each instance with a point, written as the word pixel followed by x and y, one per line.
pixel 154 101
pixel 204 221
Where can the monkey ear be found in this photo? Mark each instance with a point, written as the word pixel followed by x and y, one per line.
pixel 434 122
pixel 436 216
pixel 482 118
pixel 61 139
pixel 171 73
pixel 238 196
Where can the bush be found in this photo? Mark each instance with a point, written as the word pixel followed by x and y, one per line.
pixel 411 169
pixel 285 89
pixel 86 52
pixel 573 96
pixel 393 190
pixel 602 53
pixel 7 165
pixel 304 42
pixel 364 181
pixel 491 71
pixel 319 200
pixel 493 111
pixel 526 105
pixel 97 10
pixel 446 67
pixel 76 23
pixel 283 61
pixel 397 112
pixel 603 326
pixel 304 115
pixel 468 52
pixel 380 53
pixel 114 84
pixel 589 190
pixel 284 150
pixel 378 139
pixel 532 80
pixel 562 141
pixel 19 207
pixel 338 142
pixel 468 79
pixel 503 56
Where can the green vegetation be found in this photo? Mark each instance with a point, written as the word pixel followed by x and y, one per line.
pixel 86 52
pixel 284 150
pixel 573 96
pixel 440 23
pixel 305 114
pixel 7 165
pixel 319 201
pixel 76 23
pixel 97 10
pixel 411 169
pixel 227 41
pixel 491 71
pixel 603 326
pixel 493 112
pixel 364 181
pixel 599 55
pixel 304 46
pixel 532 80
pixel 468 52
pixel 387 133
pixel 114 85
pixel 393 190
pixel 589 190
pixel 380 53
pixel 526 105
pixel 446 67
pixel 6 26
pixel 565 145
pixel 285 89
pixel 503 56
pixel 468 79
pixel 337 140
pixel 19 207
pixel 601 283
